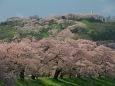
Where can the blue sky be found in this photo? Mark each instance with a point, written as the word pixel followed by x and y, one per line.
pixel 42 8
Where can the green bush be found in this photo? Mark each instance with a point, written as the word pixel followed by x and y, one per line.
pixel 6 33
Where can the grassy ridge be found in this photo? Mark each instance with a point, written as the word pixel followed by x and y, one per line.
pixel 67 82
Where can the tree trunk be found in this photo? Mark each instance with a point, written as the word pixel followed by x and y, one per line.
pixel 33 76
pixel 78 75
pixel 61 75
pixel 57 72
pixel 70 76
pixel 22 74
pixel 99 75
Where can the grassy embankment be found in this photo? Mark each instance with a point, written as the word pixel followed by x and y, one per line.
pixel 67 82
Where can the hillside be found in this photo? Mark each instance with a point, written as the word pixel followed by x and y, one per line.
pixel 75 26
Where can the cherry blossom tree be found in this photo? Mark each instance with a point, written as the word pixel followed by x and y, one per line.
pixel 56 56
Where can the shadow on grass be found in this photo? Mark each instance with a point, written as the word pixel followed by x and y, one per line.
pixel 30 83
pixel 59 82
pixel 67 82
pixel 92 82
pixel 104 81
pixel 78 81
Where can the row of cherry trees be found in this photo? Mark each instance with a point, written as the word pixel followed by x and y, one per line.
pixel 53 58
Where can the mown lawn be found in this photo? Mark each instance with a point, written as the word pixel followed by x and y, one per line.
pixel 67 82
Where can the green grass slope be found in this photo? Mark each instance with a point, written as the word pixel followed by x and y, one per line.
pixel 67 82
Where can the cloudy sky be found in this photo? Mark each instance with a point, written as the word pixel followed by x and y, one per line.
pixel 26 8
